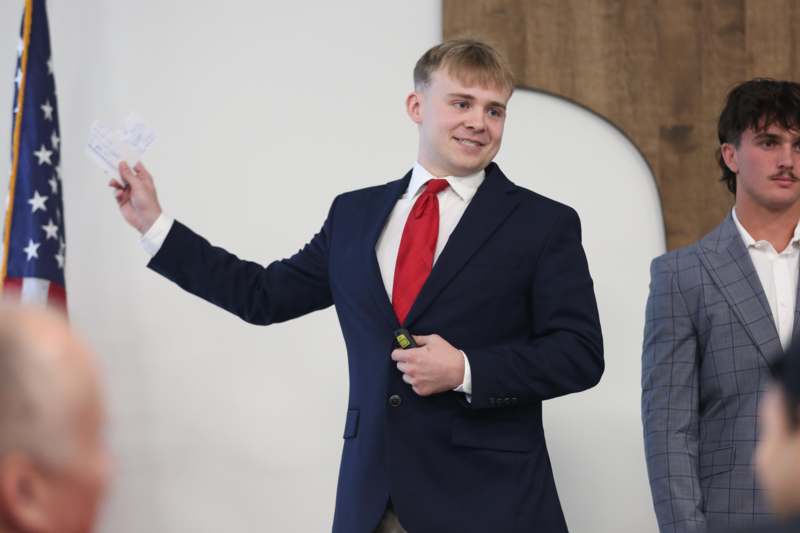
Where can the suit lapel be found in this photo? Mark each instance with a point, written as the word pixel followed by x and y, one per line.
pixel 383 203
pixel 490 206
pixel 728 262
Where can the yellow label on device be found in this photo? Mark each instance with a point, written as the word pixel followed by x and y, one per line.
pixel 403 341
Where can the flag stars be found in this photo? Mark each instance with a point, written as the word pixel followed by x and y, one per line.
pixel 48 110
pixel 62 251
pixel 40 255
pixel 32 250
pixel 51 230
pixel 37 202
pixel 43 154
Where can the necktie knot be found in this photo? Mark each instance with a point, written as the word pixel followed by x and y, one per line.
pixel 432 188
pixel 436 186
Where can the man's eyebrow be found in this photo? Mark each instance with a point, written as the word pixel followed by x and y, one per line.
pixel 472 99
pixel 461 95
pixel 766 135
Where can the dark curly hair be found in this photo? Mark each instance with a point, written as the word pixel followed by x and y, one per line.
pixel 756 104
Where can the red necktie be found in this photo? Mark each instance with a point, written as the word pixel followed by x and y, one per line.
pixel 417 248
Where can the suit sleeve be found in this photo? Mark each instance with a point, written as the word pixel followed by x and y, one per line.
pixel 670 405
pixel 281 291
pixel 564 351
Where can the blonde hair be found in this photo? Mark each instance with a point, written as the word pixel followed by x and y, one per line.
pixel 470 61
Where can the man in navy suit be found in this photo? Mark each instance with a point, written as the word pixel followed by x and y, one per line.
pixel 490 277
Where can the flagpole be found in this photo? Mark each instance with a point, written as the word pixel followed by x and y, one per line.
pixel 12 182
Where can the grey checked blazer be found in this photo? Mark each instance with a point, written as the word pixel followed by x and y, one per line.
pixel 709 339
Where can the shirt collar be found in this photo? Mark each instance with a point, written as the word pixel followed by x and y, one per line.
pixel 750 242
pixel 464 186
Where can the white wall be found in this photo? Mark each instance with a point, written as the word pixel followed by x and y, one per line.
pixel 595 438
pixel 265 111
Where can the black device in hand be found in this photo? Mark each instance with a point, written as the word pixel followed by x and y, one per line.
pixel 403 339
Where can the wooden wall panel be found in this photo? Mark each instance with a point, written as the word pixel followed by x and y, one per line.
pixel 659 70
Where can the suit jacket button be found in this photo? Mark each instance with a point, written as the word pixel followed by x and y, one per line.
pixel 395 400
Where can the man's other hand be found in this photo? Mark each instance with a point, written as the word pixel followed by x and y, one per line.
pixel 435 366
pixel 136 196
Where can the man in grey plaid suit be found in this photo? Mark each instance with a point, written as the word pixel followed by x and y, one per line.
pixel 720 311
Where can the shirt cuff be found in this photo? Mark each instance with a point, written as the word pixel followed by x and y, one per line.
pixel 156 235
pixel 466 385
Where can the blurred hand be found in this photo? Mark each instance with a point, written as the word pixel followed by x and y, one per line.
pixel 136 196
pixel 435 366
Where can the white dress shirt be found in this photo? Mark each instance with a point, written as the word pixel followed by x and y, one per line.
pixel 778 275
pixel 453 202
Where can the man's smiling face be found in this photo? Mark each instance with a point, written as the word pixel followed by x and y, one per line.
pixel 460 126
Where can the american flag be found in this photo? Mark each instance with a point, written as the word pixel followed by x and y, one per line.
pixel 34 244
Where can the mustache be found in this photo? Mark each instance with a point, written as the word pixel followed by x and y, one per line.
pixel 785 174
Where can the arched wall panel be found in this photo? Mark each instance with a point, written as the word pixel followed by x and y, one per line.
pixel 658 70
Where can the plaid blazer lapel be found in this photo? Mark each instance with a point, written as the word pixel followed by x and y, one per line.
pixel 728 262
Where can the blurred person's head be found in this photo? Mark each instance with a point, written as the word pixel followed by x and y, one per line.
pixel 53 460
pixel 778 452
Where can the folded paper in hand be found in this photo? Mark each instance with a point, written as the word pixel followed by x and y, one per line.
pixel 107 147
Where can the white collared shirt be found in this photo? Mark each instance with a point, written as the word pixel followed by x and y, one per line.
pixel 453 202
pixel 778 275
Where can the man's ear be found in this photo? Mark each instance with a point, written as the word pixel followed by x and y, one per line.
pixel 729 155
pixel 414 106
pixel 23 494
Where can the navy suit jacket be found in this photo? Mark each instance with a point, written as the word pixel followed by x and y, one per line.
pixel 511 288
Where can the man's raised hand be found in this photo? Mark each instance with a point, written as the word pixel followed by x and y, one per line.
pixel 136 196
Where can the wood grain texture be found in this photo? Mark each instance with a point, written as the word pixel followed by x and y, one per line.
pixel 659 70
